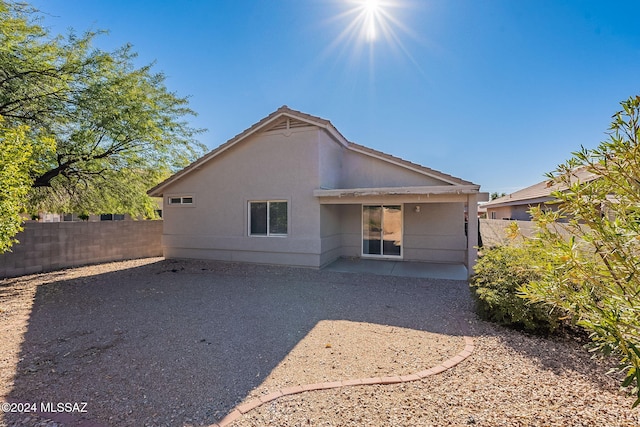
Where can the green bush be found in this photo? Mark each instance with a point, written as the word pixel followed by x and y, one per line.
pixel 499 274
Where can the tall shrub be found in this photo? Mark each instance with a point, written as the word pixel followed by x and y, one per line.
pixel 597 278
pixel 499 274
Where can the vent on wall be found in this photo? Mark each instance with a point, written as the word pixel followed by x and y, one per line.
pixel 288 123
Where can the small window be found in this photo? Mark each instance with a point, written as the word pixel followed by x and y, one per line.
pixel 182 200
pixel 268 218
pixel 111 217
pixel 74 217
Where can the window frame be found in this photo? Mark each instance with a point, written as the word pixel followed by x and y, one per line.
pixel 181 197
pixel 382 254
pixel 112 217
pixel 268 217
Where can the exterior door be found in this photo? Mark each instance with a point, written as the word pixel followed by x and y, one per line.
pixel 382 230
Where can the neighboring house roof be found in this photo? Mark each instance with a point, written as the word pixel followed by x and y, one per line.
pixel 540 192
pixel 278 120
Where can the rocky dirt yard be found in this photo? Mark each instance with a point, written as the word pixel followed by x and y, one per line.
pixel 158 342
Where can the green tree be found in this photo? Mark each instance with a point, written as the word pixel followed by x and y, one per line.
pixel 17 159
pixel 496 195
pixel 123 134
pixel 597 278
pixel 116 130
pixel 36 69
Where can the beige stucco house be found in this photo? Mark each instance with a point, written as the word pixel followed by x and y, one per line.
pixel 292 190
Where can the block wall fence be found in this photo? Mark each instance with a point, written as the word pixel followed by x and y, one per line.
pixel 493 231
pixel 55 245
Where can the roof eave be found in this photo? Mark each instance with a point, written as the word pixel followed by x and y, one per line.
pixel 408 165
pixel 392 191
pixel 517 202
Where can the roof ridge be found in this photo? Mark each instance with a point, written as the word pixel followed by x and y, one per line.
pixel 320 122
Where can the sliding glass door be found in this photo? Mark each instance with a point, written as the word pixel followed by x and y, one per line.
pixel 382 230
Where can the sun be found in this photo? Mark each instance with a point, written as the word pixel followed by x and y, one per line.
pixel 369 21
pixel 371 5
pixel 369 28
pixel 371 11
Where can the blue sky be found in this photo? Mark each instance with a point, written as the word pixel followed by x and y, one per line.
pixel 497 92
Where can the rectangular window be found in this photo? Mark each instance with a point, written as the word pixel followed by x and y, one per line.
pixel 268 218
pixel 180 200
pixel 111 217
pixel 74 217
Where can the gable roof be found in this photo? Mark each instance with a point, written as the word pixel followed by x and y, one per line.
pixel 540 192
pixel 286 118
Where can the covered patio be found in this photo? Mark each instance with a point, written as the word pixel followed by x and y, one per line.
pixel 424 270
pixel 400 230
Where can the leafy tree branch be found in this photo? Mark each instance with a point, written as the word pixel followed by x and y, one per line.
pixel 115 128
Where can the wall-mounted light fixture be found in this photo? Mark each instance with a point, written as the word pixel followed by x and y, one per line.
pixel 417 208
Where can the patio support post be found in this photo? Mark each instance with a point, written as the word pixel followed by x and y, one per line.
pixel 472 232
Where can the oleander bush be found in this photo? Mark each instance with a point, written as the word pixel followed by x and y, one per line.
pixel 584 262
pixel 500 273
pixel 597 280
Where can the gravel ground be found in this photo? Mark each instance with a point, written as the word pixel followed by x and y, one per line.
pixel 181 343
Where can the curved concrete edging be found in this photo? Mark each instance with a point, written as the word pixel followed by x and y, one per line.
pixel 240 410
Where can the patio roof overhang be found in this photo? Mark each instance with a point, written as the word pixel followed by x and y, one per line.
pixel 416 194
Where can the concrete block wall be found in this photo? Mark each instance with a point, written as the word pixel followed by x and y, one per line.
pixel 55 245
pixel 493 231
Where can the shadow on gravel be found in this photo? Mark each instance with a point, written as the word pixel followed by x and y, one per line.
pixel 558 354
pixel 183 342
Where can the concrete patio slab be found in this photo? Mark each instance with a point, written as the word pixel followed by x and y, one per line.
pixel 399 268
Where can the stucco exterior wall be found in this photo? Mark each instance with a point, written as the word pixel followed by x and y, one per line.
pixel 517 212
pixel 331 164
pixel 351 230
pixel 520 213
pixel 436 233
pixel 273 165
pixel 362 171
pixel 331 233
pixel 503 212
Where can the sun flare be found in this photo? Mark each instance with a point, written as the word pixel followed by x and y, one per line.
pixel 369 21
pixel 368 28
pixel 371 10
pixel 371 5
